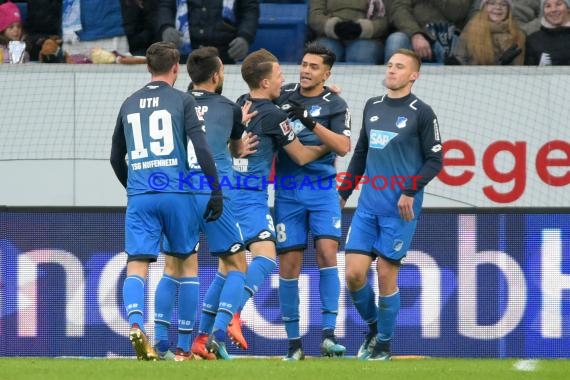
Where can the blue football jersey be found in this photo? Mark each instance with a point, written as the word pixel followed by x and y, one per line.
pixel 398 150
pixel 155 138
pixel 274 131
pixel 222 119
pixel 329 110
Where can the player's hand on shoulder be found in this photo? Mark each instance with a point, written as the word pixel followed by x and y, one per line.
pixel 406 207
pixel 246 116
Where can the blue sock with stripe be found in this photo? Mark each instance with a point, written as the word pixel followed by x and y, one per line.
pixel 363 300
pixel 258 270
pixel 188 295
pixel 289 303
pixel 133 299
pixel 230 298
pixel 329 287
pixel 388 308
pixel 210 305
pixel 164 298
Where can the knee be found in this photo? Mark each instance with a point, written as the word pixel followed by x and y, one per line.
pixel 354 279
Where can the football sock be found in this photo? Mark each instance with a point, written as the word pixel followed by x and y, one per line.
pixel 329 287
pixel 388 308
pixel 230 298
pixel 133 299
pixel 164 298
pixel 363 300
pixel 210 305
pixel 289 303
pixel 259 268
pixel 188 296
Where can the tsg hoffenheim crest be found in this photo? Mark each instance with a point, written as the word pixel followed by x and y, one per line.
pixel 315 110
pixel 401 122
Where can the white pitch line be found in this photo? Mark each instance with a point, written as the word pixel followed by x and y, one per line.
pixel 526 365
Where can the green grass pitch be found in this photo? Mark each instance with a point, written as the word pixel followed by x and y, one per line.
pixel 275 369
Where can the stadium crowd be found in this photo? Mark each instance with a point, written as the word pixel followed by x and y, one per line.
pixel 466 32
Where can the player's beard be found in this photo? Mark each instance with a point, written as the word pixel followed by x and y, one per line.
pixel 219 89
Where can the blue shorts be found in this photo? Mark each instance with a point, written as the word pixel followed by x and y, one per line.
pixel 375 235
pixel 149 216
pixel 255 220
pixel 224 234
pixel 298 210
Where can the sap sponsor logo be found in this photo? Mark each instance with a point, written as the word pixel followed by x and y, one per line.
pixel 436 148
pixel 380 139
pixel 315 110
pixel 285 127
pixel 374 118
pixel 401 122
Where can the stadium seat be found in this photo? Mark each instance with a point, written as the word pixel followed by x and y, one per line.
pixel 23 10
pixel 282 30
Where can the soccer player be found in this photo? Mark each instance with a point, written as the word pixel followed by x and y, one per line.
pixel 223 120
pixel 398 152
pixel 262 73
pixel 152 130
pixel 313 203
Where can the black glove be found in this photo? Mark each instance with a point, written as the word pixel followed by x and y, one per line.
pixel 347 30
pixel 297 111
pixel 509 55
pixel 171 34
pixel 215 206
pixel 451 60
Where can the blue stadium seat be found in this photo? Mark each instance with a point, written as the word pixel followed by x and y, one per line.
pixel 23 10
pixel 282 30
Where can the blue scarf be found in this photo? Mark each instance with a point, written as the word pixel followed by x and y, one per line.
pixel 71 20
pixel 183 25
pixel 228 13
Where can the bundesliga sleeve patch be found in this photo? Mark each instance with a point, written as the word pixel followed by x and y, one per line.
pixel 285 127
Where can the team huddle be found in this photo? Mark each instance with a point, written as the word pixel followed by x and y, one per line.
pixel 300 127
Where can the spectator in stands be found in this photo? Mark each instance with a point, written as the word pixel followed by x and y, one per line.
pixel 228 25
pixel 43 20
pixel 525 12
pixel 411 19
pixel 551 44
pixel 139 23
pixel 11 30
pixel 492 37
pixel 88 24
pixel 352 29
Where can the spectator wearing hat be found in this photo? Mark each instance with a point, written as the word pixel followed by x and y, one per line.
pixel 525 12
pixel 10 29
pixel 491 37
pixel 551 44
